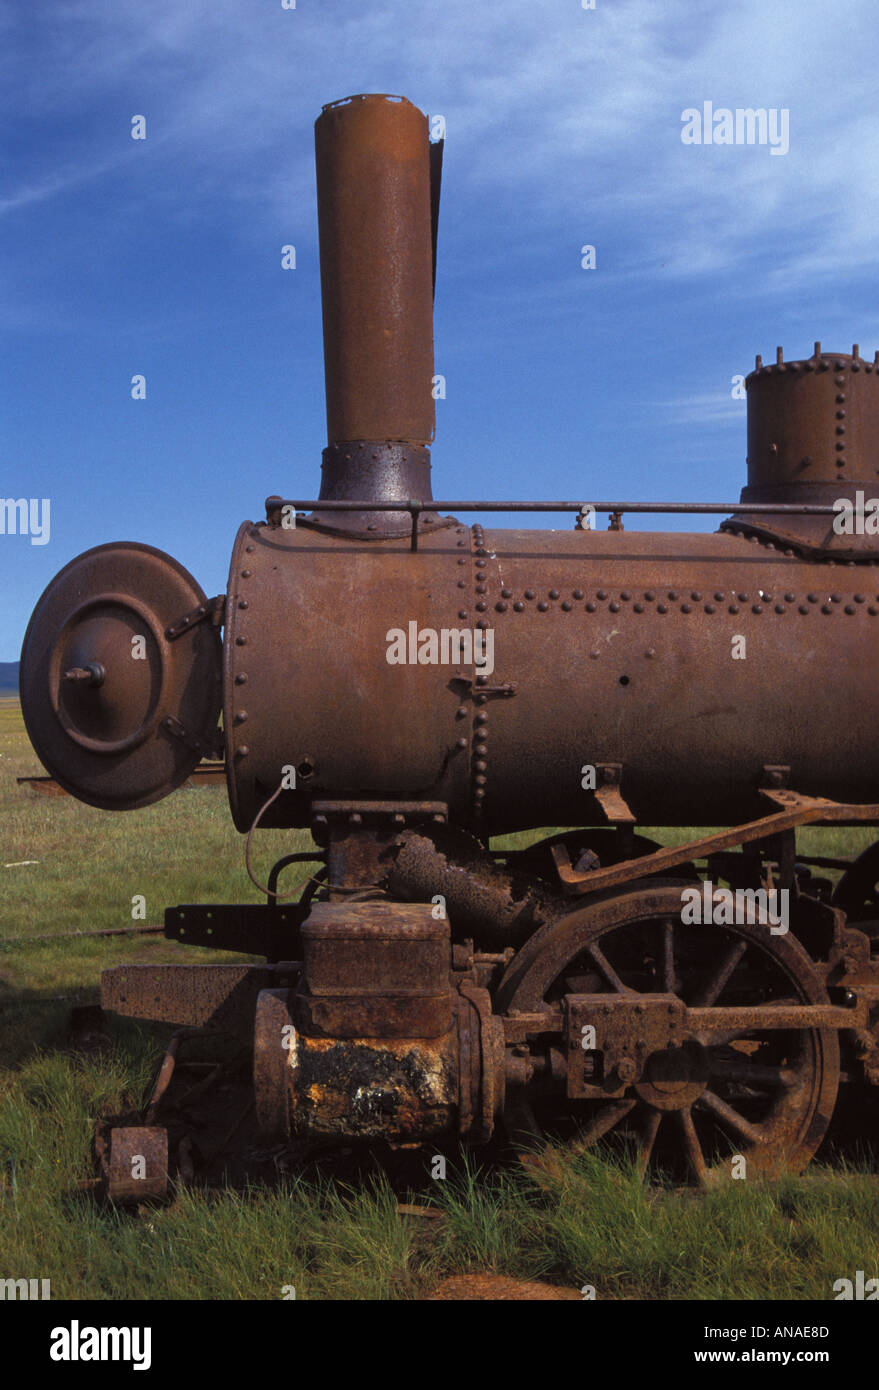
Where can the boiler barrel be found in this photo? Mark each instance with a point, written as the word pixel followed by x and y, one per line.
pixel 693 661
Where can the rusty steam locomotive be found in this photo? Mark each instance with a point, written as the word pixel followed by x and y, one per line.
pixel 408 686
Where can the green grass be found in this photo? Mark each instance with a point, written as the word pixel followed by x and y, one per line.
pixel 325 1243
pixel 91 864
pixel 593 1221
pixel 589 1222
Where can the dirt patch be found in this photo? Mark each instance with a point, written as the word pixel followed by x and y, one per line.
pixel 491 1287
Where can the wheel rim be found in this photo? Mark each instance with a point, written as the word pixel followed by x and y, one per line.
pixel 765 1096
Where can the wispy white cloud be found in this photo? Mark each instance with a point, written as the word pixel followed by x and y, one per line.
pixel 570 112
pixel 53 185
pixel 563 126
pixel 707 408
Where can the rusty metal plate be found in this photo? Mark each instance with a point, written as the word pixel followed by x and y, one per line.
pixel 138 1168
pixel 377 970
pixel 362 948
pixel 627 1029
pixel 114 709
pixel 373 1015
pixel 274 1063
pixel 257 928
pixel 283 695
pixel 401 1090
pixel 221 996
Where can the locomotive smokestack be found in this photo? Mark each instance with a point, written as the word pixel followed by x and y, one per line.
pixel 376 260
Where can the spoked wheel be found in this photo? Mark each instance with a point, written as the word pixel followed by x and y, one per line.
pixel 762 1094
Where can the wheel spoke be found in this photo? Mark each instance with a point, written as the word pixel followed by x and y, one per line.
pixel 522 1119
pixel 602 1123
pixel 692 1145
pixel 731 1117
pixel 654 1120
pixel 716 982
pixel 607 970
pixel 668 956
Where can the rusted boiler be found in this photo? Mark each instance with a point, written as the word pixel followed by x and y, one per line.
pixel 408 686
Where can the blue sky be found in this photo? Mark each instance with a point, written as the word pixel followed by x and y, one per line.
pixel 163 256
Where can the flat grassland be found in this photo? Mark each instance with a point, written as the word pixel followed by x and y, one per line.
pixel 65 867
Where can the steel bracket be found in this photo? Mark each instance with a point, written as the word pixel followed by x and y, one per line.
pixel 609 796
pixel 259 929
pixel 627 1029
pixel 213 611
pixel 775 776
pixel 137 1165
pixel 207 746
pixel 480 690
